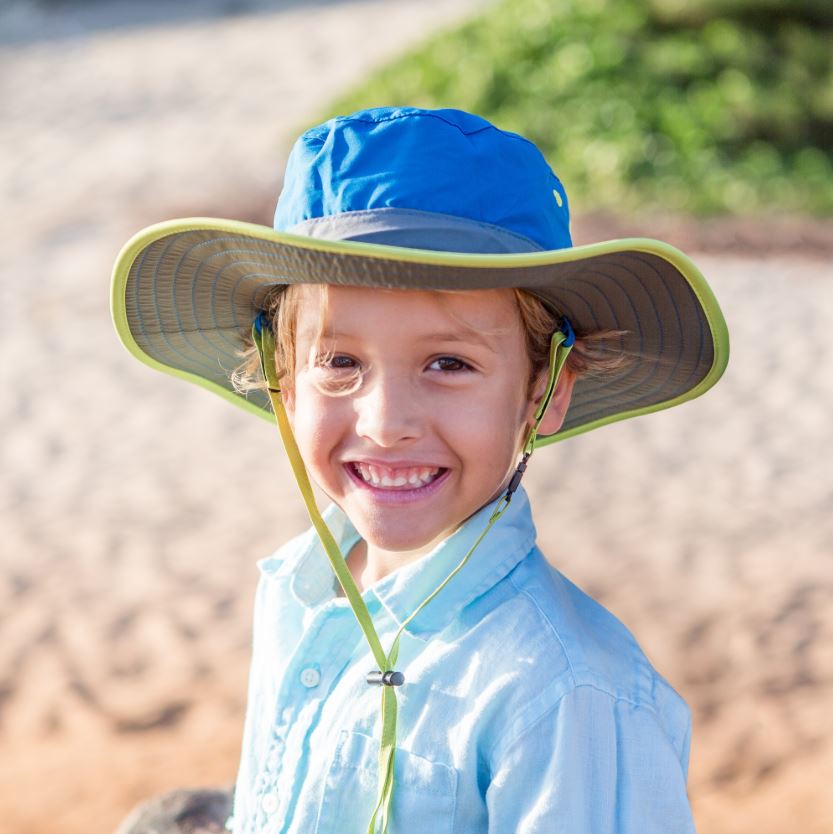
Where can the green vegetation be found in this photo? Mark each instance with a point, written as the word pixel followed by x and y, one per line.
pixel 702 106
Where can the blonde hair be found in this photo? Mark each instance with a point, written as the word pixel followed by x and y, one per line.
pixel 594 353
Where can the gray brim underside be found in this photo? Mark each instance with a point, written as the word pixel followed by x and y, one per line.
pixel 191 297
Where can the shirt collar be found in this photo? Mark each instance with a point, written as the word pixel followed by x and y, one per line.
pixel 306 568
pixel 312 581
pixel 511 538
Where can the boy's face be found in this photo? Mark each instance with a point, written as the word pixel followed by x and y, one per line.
pixel 410 408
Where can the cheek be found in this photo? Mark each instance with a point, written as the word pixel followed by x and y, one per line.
pixel 319 423
pixel 490 432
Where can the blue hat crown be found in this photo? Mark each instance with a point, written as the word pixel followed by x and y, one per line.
pixel 442 179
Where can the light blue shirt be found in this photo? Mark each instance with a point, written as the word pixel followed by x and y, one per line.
pixel 527 707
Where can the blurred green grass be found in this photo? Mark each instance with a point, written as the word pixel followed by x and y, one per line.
pixel 694 106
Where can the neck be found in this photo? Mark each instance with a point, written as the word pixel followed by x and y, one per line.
pixel 368 564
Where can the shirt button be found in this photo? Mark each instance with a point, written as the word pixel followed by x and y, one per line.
pixel 310 677
pixel 269 803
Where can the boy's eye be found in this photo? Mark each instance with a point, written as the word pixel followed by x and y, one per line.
pixel 449 363
pixel 337 362
pixel 337 373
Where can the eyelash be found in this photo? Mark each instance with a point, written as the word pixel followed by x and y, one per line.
pixel 462 366
pixel 333 360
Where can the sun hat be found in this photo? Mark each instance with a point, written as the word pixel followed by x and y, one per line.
pixel 420 199
pixel 425 199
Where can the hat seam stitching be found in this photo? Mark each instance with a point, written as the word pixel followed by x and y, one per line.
pixel 435 115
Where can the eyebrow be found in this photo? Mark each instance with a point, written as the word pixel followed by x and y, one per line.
pixel 475 336
pixel 445 336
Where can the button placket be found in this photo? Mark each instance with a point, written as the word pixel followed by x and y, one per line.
pixel 269 803
pixel 273 759
pixel 328 640
pixel 326 631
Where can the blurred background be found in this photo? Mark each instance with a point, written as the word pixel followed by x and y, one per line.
pixel 133 507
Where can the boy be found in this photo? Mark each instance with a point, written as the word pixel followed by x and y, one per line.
pixel 414 383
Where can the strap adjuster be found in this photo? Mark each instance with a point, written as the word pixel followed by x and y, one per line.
pixel 377 678
pixel 515 482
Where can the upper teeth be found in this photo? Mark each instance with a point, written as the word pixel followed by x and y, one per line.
pixel 383 476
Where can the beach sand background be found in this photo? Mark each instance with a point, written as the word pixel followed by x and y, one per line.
pixel 133 507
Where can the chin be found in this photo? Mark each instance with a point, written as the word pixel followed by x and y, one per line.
pixel 401 541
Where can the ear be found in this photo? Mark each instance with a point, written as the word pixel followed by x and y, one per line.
pixel 559 403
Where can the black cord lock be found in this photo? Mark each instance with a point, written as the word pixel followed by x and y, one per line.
pixel 516 477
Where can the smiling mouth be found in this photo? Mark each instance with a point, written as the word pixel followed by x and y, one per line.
pixel 402 478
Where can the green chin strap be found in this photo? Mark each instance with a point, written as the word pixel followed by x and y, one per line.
pixel 385 676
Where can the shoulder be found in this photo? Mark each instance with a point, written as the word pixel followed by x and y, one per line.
pixel 598 648
pixel 572 646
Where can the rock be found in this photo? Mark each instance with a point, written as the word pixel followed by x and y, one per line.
pixel 200 811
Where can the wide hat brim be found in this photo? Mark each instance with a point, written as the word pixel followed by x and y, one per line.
pixel 185 293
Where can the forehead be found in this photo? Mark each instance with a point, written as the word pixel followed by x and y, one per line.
pixel 328 310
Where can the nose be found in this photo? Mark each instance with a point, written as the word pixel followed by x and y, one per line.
pixel 388 412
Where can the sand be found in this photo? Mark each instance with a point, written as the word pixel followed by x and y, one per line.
pixel 133 507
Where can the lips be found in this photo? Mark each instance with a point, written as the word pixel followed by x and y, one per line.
pixel 403 478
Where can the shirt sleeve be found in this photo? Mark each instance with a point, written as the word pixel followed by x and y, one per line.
pixel 594 764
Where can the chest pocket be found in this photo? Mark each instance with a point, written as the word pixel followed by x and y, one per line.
pixel 424 795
